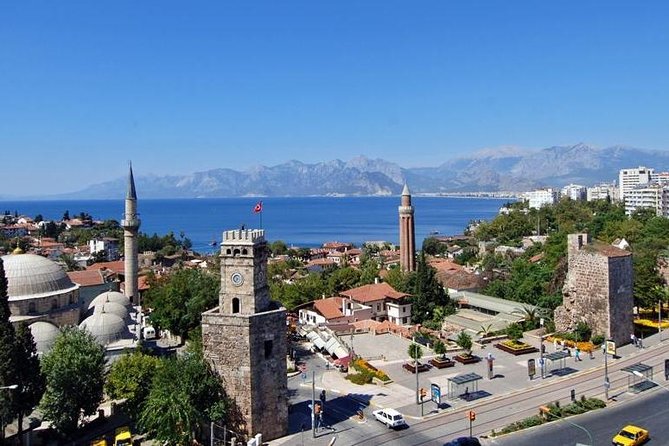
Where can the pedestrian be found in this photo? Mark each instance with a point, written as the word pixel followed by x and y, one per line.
pixel 554 345
pixel 577 354
pixel 592 353
pixel 562 344
pixel 633 339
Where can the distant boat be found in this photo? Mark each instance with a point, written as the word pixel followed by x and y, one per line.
pixel 214 243
pixel 434 233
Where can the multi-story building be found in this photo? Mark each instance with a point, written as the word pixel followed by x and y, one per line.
pixel 540 197
pixel 653 195
pixel 575 192
pixel 603 191
pixel 384 301
pixel 628 179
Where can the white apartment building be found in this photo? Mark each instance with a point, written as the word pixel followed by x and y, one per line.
pixel 654 195
pixel 603 191
pixel 540 197
pixel 628 179
pixel 575 192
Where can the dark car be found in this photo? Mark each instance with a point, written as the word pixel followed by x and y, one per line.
pixel 464 441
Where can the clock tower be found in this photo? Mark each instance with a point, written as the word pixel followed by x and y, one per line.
pixel 244 338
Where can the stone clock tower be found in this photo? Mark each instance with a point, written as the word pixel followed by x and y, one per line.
pixel 244 338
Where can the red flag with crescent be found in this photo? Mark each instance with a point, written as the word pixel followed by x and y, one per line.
pixel 257 208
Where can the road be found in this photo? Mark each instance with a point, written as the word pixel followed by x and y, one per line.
pixel 648 411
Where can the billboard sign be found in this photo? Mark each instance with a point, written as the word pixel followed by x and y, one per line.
pixel 435 393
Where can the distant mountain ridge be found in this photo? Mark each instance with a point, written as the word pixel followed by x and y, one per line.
pixel 485 171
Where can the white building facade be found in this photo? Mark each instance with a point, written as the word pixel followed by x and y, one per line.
pixel 540 197
pixel 575 192
pixel 628 179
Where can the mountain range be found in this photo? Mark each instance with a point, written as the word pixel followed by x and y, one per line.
pixel 485 171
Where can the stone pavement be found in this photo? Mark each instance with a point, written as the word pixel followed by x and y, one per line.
pixel 510 378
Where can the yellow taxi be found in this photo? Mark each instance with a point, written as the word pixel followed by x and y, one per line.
pixel 631 435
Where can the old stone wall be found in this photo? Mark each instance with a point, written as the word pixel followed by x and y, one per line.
pixel 249 354
pixel 598 291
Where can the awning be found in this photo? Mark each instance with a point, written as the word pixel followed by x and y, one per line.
pixel 345 361
pixel 318 342
pixel 340 352
pixel 331 345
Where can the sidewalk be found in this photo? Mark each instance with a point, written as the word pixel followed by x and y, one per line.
pixel 510 378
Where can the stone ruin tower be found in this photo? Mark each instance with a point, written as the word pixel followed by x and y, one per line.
pixel 244 338
pixel 597 290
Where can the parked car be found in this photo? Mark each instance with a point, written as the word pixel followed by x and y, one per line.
pixel 389 417
pixel 464 441
pixel 631 435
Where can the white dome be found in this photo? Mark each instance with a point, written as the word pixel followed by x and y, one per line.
pixel 113 308
pixel 30 275
pixel 105 327
pixel 44 335
pixel 110 296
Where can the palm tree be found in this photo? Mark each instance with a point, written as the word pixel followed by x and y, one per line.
pixel 531 315
pixel 485 330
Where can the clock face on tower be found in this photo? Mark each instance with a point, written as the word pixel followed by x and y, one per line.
pixel 237 279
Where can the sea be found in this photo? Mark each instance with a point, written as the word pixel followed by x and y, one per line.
pixel 298 221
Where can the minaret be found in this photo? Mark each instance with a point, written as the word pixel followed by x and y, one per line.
pixel 407 233
pixel 130 225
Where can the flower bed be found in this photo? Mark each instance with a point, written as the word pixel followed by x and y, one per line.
pixel 442 363
pixel 585 347
pixel 516 348
pixel 412 368
pixel 466 359
pixel 651 323
pixel 365 368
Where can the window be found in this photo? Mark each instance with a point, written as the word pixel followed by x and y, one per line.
pixel 268 349
pixel 244 252
pixel 236 252
pixel 31 308
pixel 404 320
pixel 235 305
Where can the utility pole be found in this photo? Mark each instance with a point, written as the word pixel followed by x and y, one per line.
pixel 659 318
pixel 313 403
pixel 415 365
pixel 606 374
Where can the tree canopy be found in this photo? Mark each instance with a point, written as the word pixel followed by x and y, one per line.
pixel 74 370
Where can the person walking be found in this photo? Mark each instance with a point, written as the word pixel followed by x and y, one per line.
pixel 633 339
pixel 577 354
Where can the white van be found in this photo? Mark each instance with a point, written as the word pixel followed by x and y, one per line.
pixel 149 332
pixel 389 417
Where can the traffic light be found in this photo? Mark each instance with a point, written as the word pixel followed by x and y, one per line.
pixel 472 415
pixel 422 393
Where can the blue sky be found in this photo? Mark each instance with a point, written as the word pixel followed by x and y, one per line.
pixel 178 87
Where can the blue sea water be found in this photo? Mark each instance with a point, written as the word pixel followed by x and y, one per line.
pixel 299 221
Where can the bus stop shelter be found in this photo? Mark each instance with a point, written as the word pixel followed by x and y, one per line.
pixel 636 383
pixel 555 361
pixel 461 385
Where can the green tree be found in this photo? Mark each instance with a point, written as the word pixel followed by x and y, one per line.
pixel 433 247
pixel 75 374
pixel 185 393
pixel 179 299
pixel 464 341
pixel 428 293
pixel 343 279
pixel 514 331
pixel 278 248
pixel 399 280
pixel 440 348
pixel 415 351
pixel 9 368
pixel 130 379
pixel 30 381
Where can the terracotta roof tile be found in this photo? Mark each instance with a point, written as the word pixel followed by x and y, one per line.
pixel 329 308
pixel 372 292
pixel 117 266
pixel 86 277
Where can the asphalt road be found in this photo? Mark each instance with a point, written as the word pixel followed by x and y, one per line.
pixel 649 411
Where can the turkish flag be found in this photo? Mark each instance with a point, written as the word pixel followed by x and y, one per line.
pixel 258 207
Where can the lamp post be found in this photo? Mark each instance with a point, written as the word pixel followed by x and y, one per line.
pixel 415 364
pixel 2 423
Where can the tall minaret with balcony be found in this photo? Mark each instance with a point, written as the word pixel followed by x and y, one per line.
pixel 130 225
pixel 407 232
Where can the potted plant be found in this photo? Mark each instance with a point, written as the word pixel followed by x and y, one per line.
pixel 464 341
pixel 442 361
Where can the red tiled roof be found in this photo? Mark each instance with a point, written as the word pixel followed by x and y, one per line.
pixel 142 283
pixel 86 277
pixel 445 265
pixel 372 292
pixel 329 308
pixel 116 266
pixel 322 262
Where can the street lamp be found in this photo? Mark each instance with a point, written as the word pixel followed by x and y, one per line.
pixel 548 412
pixel 2 417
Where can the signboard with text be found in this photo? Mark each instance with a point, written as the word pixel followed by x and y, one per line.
pixel 531 368
pixel 610 348
pixel 435 393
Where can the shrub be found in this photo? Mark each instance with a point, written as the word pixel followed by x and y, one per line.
pixel 514 331
pixel 597 339
pixel 365 368
pixel 464 341
pixel 360 378
pixel 583 331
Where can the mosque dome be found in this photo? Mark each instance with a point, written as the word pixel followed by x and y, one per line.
pixel 30 275
pixel 110 296
pixel 113 308
pixel 44 335
pixel 105 327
